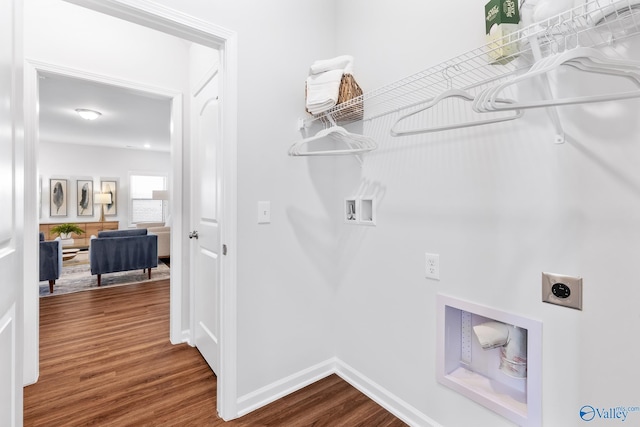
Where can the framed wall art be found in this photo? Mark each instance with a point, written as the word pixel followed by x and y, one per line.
pixel 110 187
pixel 85 197
pixel 58 197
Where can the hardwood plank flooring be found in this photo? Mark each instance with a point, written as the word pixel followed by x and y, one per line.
pixel 106 360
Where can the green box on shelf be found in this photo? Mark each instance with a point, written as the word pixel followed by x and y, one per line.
pixel 501 12
pixel 501 18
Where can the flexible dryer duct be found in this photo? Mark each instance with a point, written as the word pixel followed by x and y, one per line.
pixel 512 341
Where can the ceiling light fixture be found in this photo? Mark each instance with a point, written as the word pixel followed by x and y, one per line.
pixel 88 114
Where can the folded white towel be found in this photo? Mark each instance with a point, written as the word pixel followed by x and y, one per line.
pixel 343 62
pixel 323 90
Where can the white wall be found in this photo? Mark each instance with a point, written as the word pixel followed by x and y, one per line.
pixel 60 33
pixel 81 162
pixel 285 276
pixel 500 205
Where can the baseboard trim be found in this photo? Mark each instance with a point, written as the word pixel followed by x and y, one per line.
pixel 185 337
pixel 383 397
pixel 274 391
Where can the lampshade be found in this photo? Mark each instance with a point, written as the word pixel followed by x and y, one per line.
pixel 88 114
pixel 160 195
pixel 102 198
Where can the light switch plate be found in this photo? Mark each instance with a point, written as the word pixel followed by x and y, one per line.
pixel 264 212
pixel 562 290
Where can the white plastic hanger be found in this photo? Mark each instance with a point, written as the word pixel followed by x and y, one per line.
pixel 633 75
pixel 486 100
pixel 355 143
pixel 586 59
pixel 451 93
pixel 583 54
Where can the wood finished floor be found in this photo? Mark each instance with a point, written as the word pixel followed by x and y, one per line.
pixel 106 360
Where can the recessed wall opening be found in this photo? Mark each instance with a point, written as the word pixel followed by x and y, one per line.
pixel 492 357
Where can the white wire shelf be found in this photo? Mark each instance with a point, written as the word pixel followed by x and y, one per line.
pixel 595 23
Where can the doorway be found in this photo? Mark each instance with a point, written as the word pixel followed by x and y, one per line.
pixel 225 41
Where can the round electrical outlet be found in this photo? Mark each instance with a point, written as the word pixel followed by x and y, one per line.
pixel 561 290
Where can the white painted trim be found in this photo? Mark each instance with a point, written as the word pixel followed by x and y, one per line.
pixel 186 337
pixel 8 326
pixel 227 381
pixel 13 288
pixel 170 21
pixel 101 78
pixel 30 296
pixel 208 76
pixel 274 391
pixel 162 18
pixel 285 386
pixel 176 208
pixel 383 397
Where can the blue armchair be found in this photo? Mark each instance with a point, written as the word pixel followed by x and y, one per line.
pixel 123 250
pixel 50 261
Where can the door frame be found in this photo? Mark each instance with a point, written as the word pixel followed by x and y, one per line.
pixel 146 13
pixel 32 70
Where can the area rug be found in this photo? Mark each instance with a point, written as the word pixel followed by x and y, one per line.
pixel 76 278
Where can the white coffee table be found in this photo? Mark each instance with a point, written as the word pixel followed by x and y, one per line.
pixel 68 254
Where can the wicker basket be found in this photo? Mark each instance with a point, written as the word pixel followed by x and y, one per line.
pixel 348 92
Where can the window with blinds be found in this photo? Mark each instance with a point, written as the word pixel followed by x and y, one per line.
pixel 143 207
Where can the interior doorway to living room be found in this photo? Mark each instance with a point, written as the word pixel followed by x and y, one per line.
pixel 123 153
pixel 110 70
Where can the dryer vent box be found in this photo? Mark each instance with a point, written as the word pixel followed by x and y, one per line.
pixel 474 363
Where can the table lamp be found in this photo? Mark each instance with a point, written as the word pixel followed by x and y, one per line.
pixel 102 199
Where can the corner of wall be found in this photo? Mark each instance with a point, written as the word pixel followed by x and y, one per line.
pixel 278 389
pixel 383 397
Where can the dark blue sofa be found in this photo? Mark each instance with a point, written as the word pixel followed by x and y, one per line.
pixel 50 261
pixel 123 250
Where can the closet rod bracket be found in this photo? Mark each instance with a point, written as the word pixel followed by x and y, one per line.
pixel 545 88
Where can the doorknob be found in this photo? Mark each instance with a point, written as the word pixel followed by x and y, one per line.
pixel 193 234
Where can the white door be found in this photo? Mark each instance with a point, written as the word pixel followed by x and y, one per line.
pixel 11 222
pixel 205 242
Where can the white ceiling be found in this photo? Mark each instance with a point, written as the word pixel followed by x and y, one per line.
pixel 130 119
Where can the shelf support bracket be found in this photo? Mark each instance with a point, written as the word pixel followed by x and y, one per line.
pixel 545 87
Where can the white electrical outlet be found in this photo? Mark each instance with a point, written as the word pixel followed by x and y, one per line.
pixel 433 266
